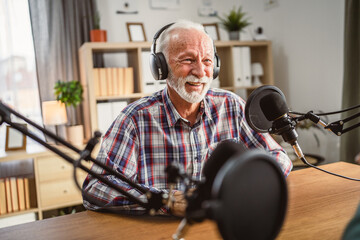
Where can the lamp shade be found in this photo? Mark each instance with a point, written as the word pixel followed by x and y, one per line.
pixel 54 113
pixel 256 69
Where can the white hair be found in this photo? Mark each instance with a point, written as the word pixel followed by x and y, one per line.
pixel 180 24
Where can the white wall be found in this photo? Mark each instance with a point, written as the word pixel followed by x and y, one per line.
pixel 153 19
pixel 307 41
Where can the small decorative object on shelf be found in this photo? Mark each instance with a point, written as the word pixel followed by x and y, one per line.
pixel 97 34
pixel 14 139
pixel 213 30
pixel 235 22
pixel 136 32
pixel 257 72
pixel 259 34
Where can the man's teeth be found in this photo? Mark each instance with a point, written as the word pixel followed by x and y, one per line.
pixel 194 83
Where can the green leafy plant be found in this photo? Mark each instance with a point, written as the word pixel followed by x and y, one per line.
pixel 70 93
pixel 235 21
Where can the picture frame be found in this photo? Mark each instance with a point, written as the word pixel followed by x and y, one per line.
pixel 15 140
pixel 213 30
pixel 136 32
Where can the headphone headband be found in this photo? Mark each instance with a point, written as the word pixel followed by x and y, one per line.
pixel 157 35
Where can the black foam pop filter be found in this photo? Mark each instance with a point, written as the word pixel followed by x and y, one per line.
pixel 223 152
pixel 273 106
pixel 249 197
pixel 253 112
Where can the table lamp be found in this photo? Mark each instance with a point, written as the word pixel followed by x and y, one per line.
pixel 257 72
pixel 54 114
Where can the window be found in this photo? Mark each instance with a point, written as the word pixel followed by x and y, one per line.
pixel 18 82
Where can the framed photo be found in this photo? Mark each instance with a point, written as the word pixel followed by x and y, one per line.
pixel 136 32
pixel 213 30
pixel 15 140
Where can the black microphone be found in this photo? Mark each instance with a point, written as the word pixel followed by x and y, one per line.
pixel 266 111
pixel 275 109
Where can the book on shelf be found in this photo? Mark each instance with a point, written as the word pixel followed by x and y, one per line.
pixel 117 107
pixel 27 193
pixel 3 209
pixel 246 63
pixel 107 112
pixel 103 82
pixel 21 193
pixel 96 79
pixel 242 66
pixel 14 194
pixel 8 195
pixel 18 219
pixel 113 81
pixel 109 82
pixel 119 81
pixel 149 83
pixel 128 80
pixel 104 116
pixel 161 85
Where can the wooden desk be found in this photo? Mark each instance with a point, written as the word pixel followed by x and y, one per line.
pixel 320 206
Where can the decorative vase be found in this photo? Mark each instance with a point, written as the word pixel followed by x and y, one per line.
pixel 75 135
pixel 98 35
pixel 234 35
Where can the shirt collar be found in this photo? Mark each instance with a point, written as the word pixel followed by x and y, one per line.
pixel 172 114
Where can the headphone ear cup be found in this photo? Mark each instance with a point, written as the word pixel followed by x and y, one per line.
pixel 216 70
pixel 163 66
pixel 158 66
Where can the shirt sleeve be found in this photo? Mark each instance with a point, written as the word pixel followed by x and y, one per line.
pixel 254 139
pixel 119 150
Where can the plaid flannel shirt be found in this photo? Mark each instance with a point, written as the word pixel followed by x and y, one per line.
pixel 149 134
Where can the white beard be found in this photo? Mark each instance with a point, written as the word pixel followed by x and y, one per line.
pixel 178 84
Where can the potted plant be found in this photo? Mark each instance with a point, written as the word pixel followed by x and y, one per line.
pixel 70 93
pixel 97 34
pixel 234 22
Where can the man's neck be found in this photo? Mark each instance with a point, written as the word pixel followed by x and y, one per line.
pixel 188 111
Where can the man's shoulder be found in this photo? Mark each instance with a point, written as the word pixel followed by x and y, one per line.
pixel 144 104
pixel 221 95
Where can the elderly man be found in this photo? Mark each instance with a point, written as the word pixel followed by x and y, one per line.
pixel 183 123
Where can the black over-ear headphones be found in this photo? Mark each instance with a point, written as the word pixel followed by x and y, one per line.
pixel 158 65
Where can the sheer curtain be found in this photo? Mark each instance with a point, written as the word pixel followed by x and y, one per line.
pixel 350 141
pixel 18 82
pixel 59 29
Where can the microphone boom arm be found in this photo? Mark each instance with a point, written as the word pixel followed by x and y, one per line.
pixel 155 200
pixel 336 127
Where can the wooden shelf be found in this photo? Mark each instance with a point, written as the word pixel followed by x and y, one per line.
pixel 127 96
pixel 51 175
pixel 31 210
